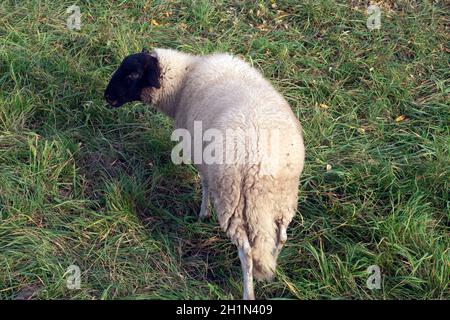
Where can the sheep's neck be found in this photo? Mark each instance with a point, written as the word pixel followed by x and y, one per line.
pixel 174 68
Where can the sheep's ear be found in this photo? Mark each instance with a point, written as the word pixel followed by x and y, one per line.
pixel 152 72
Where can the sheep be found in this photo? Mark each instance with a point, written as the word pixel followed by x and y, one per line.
pixel 254 200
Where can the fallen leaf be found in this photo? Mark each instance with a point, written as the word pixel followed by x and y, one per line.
pixel 400 118
pixel 323 106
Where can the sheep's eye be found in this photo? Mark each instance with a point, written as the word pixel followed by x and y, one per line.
pixel 134 76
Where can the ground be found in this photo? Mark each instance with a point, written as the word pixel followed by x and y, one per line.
pixel 84 185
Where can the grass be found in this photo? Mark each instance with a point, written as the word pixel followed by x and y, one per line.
pixel 81 184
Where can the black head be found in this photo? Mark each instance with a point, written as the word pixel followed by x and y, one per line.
pixel 136 72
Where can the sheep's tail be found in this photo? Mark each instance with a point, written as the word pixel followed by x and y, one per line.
pixel 264 256
pixel 267 222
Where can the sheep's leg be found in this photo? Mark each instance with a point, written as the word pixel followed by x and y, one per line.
pixel 204 209
pixel 282 234
pixel 245 255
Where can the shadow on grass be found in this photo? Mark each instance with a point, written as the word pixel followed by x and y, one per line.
pixel 133 159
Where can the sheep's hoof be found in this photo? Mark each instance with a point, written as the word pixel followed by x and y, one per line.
pixel 204 215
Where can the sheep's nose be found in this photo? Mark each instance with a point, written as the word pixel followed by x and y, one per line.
pixel 110 100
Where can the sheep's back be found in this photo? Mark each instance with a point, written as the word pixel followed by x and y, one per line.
pixel 226 94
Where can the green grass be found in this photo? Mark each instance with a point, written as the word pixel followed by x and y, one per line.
pixel 81 184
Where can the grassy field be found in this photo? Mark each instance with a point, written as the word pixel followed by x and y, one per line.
pixel 81 184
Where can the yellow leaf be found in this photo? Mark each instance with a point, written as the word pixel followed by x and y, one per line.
pixel 323 106
pixel 153 22
pixel 400 118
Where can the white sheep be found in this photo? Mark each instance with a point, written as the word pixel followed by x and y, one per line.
pixel 255 200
